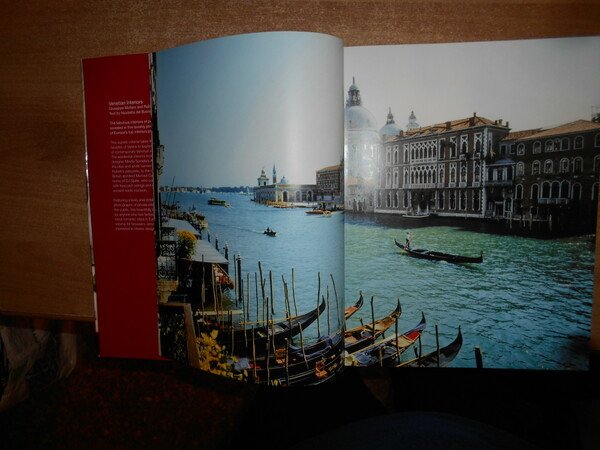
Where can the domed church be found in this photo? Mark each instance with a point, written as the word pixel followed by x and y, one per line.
pixel 362 144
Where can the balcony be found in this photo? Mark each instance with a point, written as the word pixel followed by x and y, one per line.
pixel 501 183
pixel 553 201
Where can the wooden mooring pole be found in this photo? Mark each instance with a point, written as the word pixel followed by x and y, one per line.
pixel 239 273
pixel 478 358
pixel 437 344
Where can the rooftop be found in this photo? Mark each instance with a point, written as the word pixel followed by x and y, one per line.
pixel 579 126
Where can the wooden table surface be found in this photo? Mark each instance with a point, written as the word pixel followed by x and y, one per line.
pixel 45 259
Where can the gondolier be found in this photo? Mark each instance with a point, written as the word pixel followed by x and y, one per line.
pixel 408 239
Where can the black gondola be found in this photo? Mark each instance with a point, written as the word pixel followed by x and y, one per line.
pixel 270 232
pixel 388 351
pixel 439 256
pixel 240 336
pixel 447 355
pixel 323 359
pixel 365 335
pixel 350 310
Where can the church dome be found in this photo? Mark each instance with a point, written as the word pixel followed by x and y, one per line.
pixel 359 118
pixel 283 180
pixel 390 128
pixel 356 117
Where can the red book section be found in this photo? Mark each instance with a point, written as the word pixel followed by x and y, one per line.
pixel 120 176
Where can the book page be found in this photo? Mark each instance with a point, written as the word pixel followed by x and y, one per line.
pixel 237 173
pixel 471 201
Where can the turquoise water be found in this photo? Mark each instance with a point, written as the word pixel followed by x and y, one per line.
pixel 528 305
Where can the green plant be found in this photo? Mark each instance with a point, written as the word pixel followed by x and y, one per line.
pixel 186 244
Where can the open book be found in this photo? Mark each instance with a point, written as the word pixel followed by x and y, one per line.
pixel 259 211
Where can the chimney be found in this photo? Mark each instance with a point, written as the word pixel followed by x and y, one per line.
pixel 448 125
pixel 507 124
pixel 500 122
pixel 401 133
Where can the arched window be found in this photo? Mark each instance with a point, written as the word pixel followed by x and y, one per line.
pixel 476 205
pixel 519 191
pixel 463 200
pixel 578 142
pixel 452 174
pixel 564 189
pixel 597 163
pixel 412 178
pixel 537 147
pixel 597 140
pixel 535 191
pixel 396 157
pixel 555 190
pixel 405 199
pixel 396 179
pixel 463 147
pixel 388 199
pixel 413 153
pixel 535 168
pixel 564 165
pixel 405 155
pixel 520 169
pixel 388 178
pixel 441 200
pixel 478 146
pixel 463 173
pixel 395 199
pixel 405 180
pixel 452 200
pixel 576 192
pixel 548 166
pixel 564 143
pixel 476 173
pixel 578 164
pixel 433 180
pixel 549 145
pixel 442 180
pixel 546 190
pixel 521 149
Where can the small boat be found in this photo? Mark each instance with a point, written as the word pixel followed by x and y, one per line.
pixel 350 310
pixel 217 202
pixel 447 355
pixel 270 233
pixel 388 351
pixel 416 216
pixel 316 211
pixel 439 256
pixel 365 335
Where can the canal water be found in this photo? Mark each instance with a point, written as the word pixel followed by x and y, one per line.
pixel 310 244
pixel 528 305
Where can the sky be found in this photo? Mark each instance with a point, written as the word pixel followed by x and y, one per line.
pixel 530 83
pixel 229 107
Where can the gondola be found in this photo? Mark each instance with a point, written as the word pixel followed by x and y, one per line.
pixel 365 335
pixel 238 338
pixel 387 351
pixel 270 233
pixel 439 256
pixel 323 359
pixel 350 310
pixel 447 355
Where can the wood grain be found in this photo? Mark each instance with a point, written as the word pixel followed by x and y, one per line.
pixel 44 240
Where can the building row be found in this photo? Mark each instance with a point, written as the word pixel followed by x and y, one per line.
pixel 471 167
pixel 329 186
